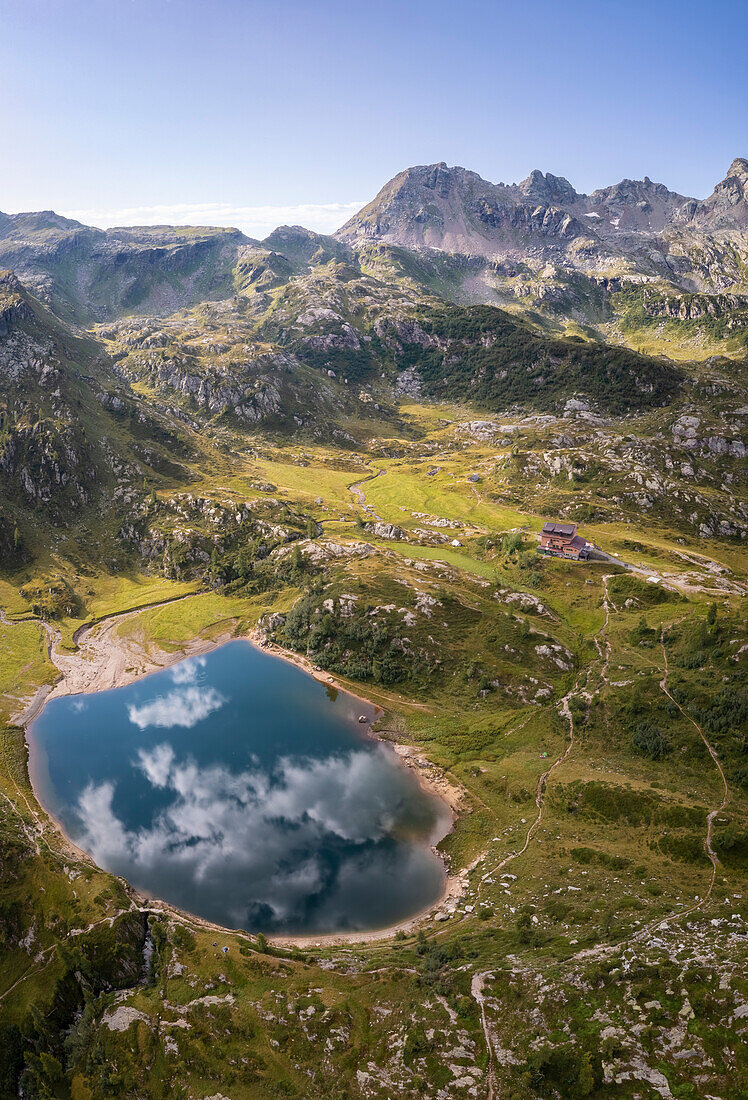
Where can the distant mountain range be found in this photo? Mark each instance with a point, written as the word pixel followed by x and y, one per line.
pixel 541 244
pixel 536 245
pixel 434 206
pixel 346 445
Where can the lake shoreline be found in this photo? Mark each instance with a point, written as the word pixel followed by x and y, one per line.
pixel 110 661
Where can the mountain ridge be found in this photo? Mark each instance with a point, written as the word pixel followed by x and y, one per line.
pixel 633 264
pixel 557 190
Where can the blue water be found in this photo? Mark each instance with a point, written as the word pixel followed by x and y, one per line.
pixel 237 787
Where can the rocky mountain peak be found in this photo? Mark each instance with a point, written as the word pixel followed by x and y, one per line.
pixel 29 223
pixel 441 179
pixel 727 206
pixel 636 190
pixel 633 207
pixel 548 189
pixel 290 232
pixel 738 169
pixel 303 246
pixel 419 206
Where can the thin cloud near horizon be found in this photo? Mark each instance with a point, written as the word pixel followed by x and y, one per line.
pixel 255 221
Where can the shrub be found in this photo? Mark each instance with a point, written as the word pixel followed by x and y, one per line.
pixel 512 542
pixel 566 1070
pixel 643 634
pixel 650 741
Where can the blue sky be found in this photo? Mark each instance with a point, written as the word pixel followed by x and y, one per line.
pixel 260 112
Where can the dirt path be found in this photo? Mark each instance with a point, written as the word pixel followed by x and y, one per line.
pixel 361 496
pixel 54 636
pixel 539 798
pixel 604 652
pixel 542 785
pixel 721 586
pixel 476 991
pixel 602 950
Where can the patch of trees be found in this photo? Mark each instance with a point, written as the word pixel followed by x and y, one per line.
pixel 700 641
pixel 724 719
pixel 566 1070
pixel 495 360
pixel 727 710
pixel 13 551
pixel 437 963
pixel 623 586
pixel 640 700
pixel 643 634
pixel 51 597
pixel 684 847
pixel 355 364
pixel 604 859
pixel 356 644
pixel 731 844
pixel 12 922
pixel 650 741
pixel 249 569
pixel 625 805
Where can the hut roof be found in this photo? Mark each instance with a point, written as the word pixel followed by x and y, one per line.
pixel 566 529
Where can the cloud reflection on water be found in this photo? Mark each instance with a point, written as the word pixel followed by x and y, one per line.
pixel 308 841
pixel 183 707
pixel 185 672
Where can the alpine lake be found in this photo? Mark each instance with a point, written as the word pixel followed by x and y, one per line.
pixel 239 788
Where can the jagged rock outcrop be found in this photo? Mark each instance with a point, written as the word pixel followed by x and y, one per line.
pixel 633 206
pixel 726 207
pixel 383 530
pixel 688 307
pixel 548 189
pixel 14 308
